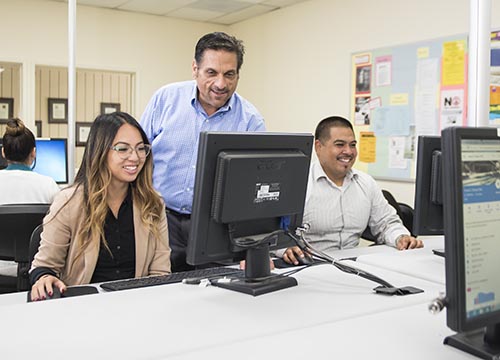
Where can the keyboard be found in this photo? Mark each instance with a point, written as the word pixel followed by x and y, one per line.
pixel 173 278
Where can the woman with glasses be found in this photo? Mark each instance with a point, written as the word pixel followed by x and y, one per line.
pixel 111 223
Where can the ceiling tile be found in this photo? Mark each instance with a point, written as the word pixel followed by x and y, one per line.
pixel 223 6
pixel 282 3
pixel 194 14
pixel 158 7
pixel 247 13
pixel 101 3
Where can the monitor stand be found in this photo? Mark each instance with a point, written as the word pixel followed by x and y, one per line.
pixel 482 343
pixel 258 278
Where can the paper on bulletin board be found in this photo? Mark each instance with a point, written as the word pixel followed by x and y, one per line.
pixel 383 71
pixel 453 63
pixel 396 153
pixel 391 120
pixel 452 107
pixel 367 146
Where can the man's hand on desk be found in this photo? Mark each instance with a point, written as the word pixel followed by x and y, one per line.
pixel 291 254
pixel 405 242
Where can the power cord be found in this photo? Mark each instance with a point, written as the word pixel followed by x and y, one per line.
pixel 385 288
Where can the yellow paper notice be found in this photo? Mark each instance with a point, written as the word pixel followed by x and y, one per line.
pixel 398 99
pixel 453 63
pixel 367 146
pixel 423 52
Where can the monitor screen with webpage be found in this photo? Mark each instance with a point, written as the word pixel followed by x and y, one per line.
pixel 471 169
pixel 52 159
pixel 249 195
pixel 428 209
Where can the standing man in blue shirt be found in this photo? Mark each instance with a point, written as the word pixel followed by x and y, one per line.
pixel 176 115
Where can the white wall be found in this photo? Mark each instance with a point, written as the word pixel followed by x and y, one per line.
pixel 157 49
pixel 297 64
pixel 298 58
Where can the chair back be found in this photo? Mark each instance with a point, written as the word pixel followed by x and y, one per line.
pixel 17 222
pixel 35 242
pixel 404 211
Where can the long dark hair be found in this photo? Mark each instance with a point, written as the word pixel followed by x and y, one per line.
pixel 94 178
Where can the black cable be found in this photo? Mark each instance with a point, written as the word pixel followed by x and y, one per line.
pixel 249 242
pixel 343 267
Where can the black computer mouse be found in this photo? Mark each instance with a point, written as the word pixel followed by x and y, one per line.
pixel 56 294
pixel 305 260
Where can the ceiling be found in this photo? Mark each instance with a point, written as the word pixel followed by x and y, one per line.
pixel 224 12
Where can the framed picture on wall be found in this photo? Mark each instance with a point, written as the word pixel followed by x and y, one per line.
pixel 82 133
pixel 6 109
pixel 38 126
pixel 58 111
pixel 108 108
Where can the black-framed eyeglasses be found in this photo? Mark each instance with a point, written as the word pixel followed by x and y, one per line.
pixel 124 151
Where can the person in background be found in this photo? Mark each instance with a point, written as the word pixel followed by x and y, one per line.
pixel 18 183
pixel 341 201
pixel 111 223
pixel 174 118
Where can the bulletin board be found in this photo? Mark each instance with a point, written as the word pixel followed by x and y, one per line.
pixel 401 92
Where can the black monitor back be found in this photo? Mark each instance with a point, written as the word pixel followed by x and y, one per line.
pixel 428 209
pixel 216 204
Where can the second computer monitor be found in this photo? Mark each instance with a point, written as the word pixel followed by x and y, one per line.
pixel 52 159
pixel 428 209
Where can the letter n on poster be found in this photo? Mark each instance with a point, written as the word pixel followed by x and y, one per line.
pixel 367 146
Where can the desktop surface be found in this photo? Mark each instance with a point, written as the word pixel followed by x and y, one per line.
pixel 159 317
pixel 218 320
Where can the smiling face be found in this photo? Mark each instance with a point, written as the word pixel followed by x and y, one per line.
pixel 125 171
pixel 216 76
pixel 337 154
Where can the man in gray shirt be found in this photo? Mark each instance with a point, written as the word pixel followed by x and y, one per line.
pixel 341 201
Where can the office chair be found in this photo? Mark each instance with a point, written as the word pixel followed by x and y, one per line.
pixel 17 223
pixel 404 211
pixel 35 243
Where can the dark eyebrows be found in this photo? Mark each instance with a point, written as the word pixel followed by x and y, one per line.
pixel 126 143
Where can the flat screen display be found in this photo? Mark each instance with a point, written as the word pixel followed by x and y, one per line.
pixel 52 159
pixel 481 214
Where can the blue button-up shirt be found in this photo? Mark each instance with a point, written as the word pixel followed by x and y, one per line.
pixel 173 120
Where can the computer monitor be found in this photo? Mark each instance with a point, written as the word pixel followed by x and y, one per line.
pixel 471 202
pixel 250 191
pixel 52 159
pixel 428 209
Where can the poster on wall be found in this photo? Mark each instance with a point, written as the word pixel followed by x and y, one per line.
pixel 413 89
pixel 495 79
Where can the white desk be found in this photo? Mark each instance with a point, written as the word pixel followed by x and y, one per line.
pixel 158 322
pixel 329 310
pixel 410 333
pixel 420 263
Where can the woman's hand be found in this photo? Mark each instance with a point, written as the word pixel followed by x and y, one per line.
pixel 45 287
